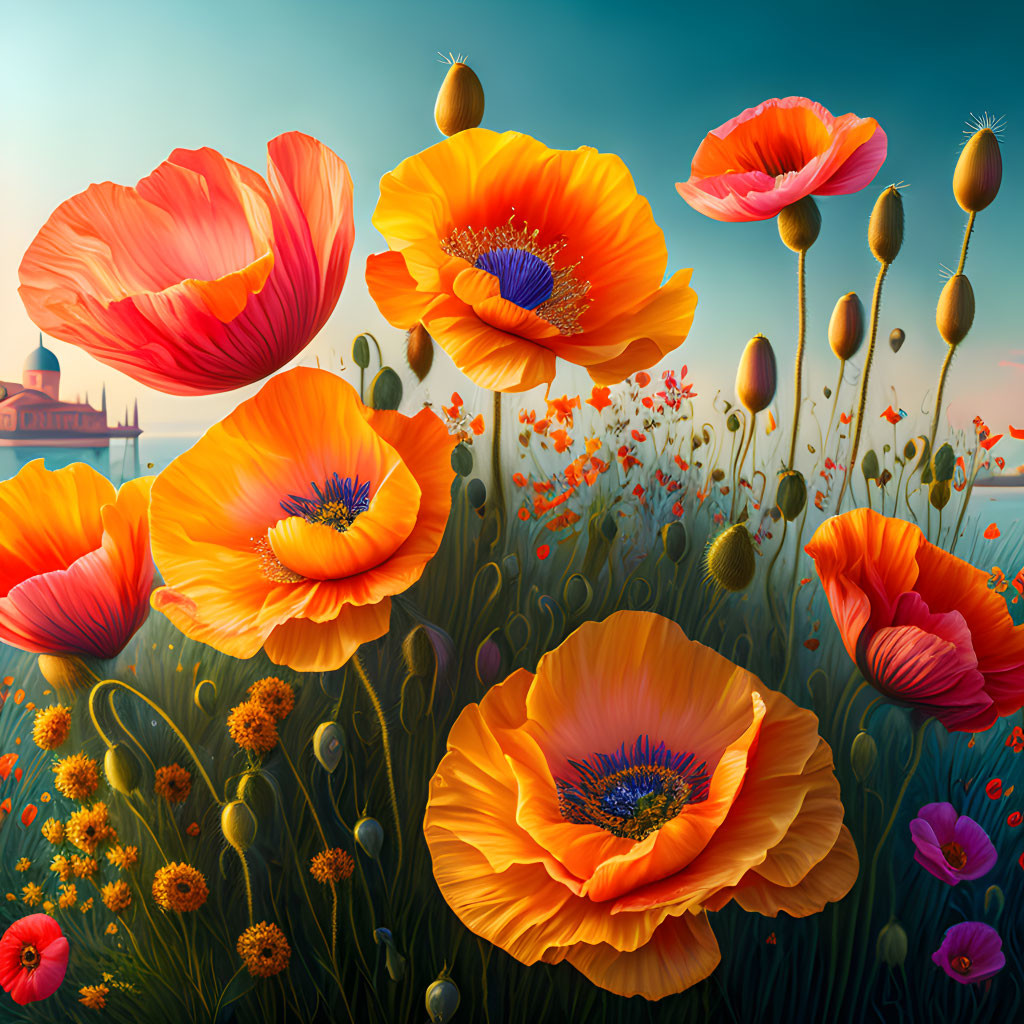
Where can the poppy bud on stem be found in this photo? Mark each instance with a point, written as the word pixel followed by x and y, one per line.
pixel 460 100
pixel 885 239
pixel 845 334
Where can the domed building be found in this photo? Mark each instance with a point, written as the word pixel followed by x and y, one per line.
pixel 32 414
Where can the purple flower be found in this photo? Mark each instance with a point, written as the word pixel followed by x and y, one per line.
pixel 951 846
pixel 970 952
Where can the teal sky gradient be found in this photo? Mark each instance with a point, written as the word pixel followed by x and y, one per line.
pixel 106 90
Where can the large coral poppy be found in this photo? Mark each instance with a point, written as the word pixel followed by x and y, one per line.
pixel 921 624
pixel 512 255
pixel 290 523
pixel 204 277
pixel 595 810
pixel 33 958
pixel 76 578
pixel 773 155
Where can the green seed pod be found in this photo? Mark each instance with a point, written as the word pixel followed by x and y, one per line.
pixel 488 662
pixel 909 450
pixel 994 902
pixel 730 560
pixel 944 462
pixel 791 495
pixel 891 947
pixel 675 541
pixel 419 351
pixel 577 594
pixel 238 824
pixel 799 224
pixel 955 312
pixel 477 494
pixel 885 229
pixel 369 835
pixel 462 460
pixel 442 999
pixel 328 745
pixel 609 527
pixel 418 652
pixel 846 327
pixel 121 767
pixel 979 171
pixel 863 755
pixel 386 389
pixel 205 696
pixel 732 424
pixel 896 338
pixel 258 795
pixel 460 100
pixel 938 494
pixel 756 376
pixel 394 960
pixel 869 465
pixel 510 567
pixel 361 352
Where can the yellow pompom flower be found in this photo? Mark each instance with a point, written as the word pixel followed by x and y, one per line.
pixel 62 866
pixel 331 866
pixel 179 887
pixel 31 894
pixel 76 776
pixel 273 694
pixel 116 896
pixel 123 857
pixel 23 865
pixel 51 727
pixel 111 929
pixel 252 727
pixel 68 896
pixel 264 950
pixel 93 997
pixel 173 783
pixel 89 827
pixel 86 906
pixel 83 867
pixel 53 831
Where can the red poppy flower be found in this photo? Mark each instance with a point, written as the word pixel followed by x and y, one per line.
pixel 891 415
pixel 775 154
pixel 204 277
pixel 33 958
pixel 922 625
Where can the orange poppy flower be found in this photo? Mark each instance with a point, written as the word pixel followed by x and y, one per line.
pixel 512 255
pixel 204 277
pixel 921 624
pixel 290 523
pixel 775 154
pixel 75 580
pixel 594 811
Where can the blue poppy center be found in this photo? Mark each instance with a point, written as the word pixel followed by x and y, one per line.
pixel 633 791
pixel 336 505
pixel 523 277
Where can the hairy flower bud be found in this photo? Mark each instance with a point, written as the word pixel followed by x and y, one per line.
pixel 979 171
pixel 846 328
pixel 731 561
pixel 799 224
pixel 756 374
pixel 418 652
pixel 955 311
pixel 460 100
pixel 885 229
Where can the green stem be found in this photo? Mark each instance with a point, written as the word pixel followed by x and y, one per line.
pixel 248 882
pixel 967 238
pixel 835 403
pixel 497 483
pixel 946 363
pixel 305 793
pixel 375 700
pixel 801 337
pixel 876 304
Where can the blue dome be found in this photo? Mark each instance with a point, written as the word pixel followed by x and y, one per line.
pixel 42 359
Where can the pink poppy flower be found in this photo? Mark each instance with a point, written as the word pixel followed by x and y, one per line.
pixel 204 277
pixel 970 951
pixel 775 154
pixel 951 847
pixel 33 958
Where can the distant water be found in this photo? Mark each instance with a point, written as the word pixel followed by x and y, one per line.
pixel 117 463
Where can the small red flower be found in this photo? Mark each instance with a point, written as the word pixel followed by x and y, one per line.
pixel 682 463
pixel 1016 432
pixel 990 442
pixel 477 425
pixel 812 644
pixel 642 379
pixel 1016 739
pixel 524 514
pixel 33 958
pixel 1014 819
pixel 543 551
pixel 844 417
pixel 991 532
pixel 637 436
pixel 599 398
pixel 994 789
pixel 891 415
pixel 518 479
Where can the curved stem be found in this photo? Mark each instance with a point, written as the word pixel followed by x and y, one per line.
pixel 737 474
pixel 967 238
pixel 835 403
pixel 950 349
pixel 375 700
pixel 248 882
pixel 496 481
pixel 163 714
pixel 876 303
pixel 305 793
pixel 801 336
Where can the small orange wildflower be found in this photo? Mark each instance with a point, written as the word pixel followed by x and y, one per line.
pixel 252 727
pixel 173 783
pixel 274 695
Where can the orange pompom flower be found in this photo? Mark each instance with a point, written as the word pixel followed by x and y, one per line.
pixel 173 783
pixel 513 255
pixel 290 523
pixel 75 580
pixel 921 624
pixel 773 155
pixel 204 277
pixel 594 811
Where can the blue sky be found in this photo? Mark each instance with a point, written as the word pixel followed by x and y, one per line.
pixel 106 90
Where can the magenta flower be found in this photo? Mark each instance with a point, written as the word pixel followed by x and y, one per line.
pixel 970 951
pixel 951 847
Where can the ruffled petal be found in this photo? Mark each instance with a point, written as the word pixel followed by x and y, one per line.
pixel 307 646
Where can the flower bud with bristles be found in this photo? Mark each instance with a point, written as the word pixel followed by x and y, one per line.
pixel 419 351
pixel 846 328
pixel 799 224
pixel 731 561
pixel 238 824
pixel 460 101
pixel 885 229
pixel 418 652
pixel 955 311
pixel 979 171
pixel 756 375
